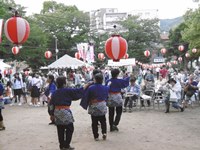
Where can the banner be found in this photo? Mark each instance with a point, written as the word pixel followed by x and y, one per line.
pixel 86 51
pixel 91 51
pixel 1 27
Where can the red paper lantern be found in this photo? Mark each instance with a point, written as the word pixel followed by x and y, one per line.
pixel 126 56
pixel 17 30
pixel 77 55
pixel 5 72
pixel 169 64
pixel 181 48
pixel 194 50
pixel 101 56
pixel 26 73
pixel 10 71
pixel 15 50
pixel 116 47
pixel 180 59
pixel 147 53
pixel 187 55
pixel 175 62
pixel 48 54
pixel 163 50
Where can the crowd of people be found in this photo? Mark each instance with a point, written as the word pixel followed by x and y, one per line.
pixel 112 90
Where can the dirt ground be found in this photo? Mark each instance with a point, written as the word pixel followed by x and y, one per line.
pixel 147 129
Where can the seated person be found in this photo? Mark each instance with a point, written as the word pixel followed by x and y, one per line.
pixel 189 90
pixel 149 76
pixel 174 94
pixel 160 83
pixel 148 90
pixel 8 93
pixel 132 93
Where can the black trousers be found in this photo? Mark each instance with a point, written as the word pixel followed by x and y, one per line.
pixel 102 120
pixel 1 117
pixel 65 133
pixel 130 100
pixel 112 110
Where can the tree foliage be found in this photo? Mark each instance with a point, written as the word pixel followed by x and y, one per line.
pixel 141 34
pixel 66 23
pixel 192 32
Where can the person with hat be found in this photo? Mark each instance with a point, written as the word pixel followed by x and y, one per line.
pixel 173 95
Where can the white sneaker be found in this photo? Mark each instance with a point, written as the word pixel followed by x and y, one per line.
pixel 20 104
pixel 30 104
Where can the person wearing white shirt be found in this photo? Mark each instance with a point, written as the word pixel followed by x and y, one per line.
pixel 17 87
pixel 35 93
pixel 157 72
pixel 174 95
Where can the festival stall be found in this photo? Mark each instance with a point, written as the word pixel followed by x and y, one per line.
pixel 66 61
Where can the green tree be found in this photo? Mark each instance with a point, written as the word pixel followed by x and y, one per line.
pixel 175 40
pixel 66 23
pixel 141 34
pixel 192 32
pixel 6 13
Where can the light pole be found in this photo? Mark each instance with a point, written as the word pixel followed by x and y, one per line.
pixel 56 48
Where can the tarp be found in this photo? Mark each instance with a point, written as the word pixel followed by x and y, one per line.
pixel 66 61
pixel 122 62
pixel 3 65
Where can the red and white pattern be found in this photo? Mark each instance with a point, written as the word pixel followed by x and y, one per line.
pixel 194 50
pixel 180 59
pixel 163 50
pixel 169 64
pixel 17 30
pixel 126 56
pixel 187 55
pixel 1 27
pixel 10 71
pixel 147 53
pixel 26 73
pixel 15 50
pixel 175 62
pixel 181 48
pixel 116 47
pixel 5 72
pixel 101 56
pixel 77 55
pixel 48 54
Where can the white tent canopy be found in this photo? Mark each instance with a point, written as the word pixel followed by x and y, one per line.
pixel 66 61
pixel 122 62
pixel 3 65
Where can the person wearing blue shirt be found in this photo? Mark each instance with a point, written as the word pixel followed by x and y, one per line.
pixel 97 95
pixel 134 91
pixel 115 101
pixel 2 127
pixel 60 111
pixel 49 91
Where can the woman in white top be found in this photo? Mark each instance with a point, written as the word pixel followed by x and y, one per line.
pixel 17 87
pixel 174 96
pixel 35 91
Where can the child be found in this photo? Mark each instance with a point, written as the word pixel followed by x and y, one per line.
pixel 8 94
pixel 97 95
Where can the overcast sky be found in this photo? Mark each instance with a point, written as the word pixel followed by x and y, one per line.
pixel 166 8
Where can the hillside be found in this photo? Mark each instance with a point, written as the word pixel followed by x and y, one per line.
pixel 167 24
